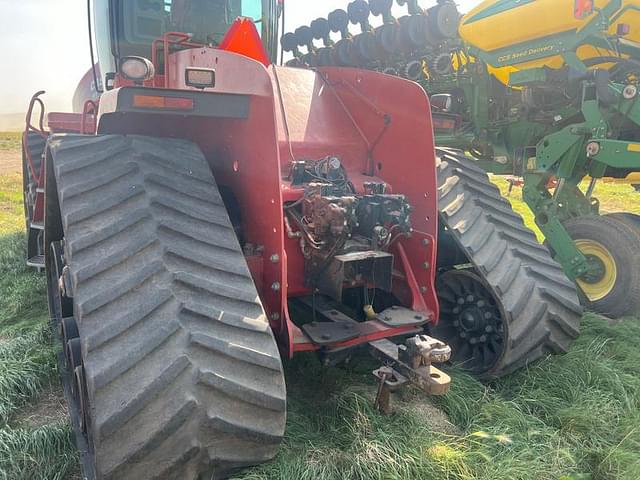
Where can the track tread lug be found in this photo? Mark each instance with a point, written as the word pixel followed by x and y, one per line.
pixel 541 305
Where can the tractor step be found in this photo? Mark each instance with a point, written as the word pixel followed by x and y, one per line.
pixel 401 317
pixel 37 261
pixel 36 225
pixel 327 333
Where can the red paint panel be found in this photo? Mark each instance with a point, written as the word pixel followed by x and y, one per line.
pixel 69 122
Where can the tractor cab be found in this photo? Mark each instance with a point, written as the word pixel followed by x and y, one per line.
pixel 136 28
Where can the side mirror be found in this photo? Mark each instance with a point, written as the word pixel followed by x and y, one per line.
pixel 442 102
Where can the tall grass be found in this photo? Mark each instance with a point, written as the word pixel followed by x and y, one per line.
pixel 22 290
pixel 10 141
pixel 27 363
pixel 44 453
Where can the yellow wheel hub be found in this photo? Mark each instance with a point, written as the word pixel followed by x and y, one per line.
pixel 598 288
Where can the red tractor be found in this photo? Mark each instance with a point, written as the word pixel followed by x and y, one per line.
pixel 204 214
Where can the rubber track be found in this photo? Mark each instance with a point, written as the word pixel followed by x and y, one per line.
pixel 184 375
pixel 36 147
pixel 541 305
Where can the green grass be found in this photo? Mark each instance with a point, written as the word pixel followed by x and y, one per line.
pixel 43 453
pixel 614 197
pixel 575 416
pixel 11 209
pixel 571 417
pixel 10 141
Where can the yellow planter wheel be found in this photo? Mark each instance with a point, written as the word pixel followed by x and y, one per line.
pixel 611 244
pixel 598 287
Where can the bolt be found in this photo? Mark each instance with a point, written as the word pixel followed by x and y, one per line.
pixel 473 341
pixel 275 258
pixel 275 316
pixel 275 286
pixel 470 298
pixel 426 265
pixel 483 338
pixel 425 242
pixel 488 315
pixel 488 329
pixel 423 289
pixel 629 92
pixel 456 310
pixel 463 334
pixel 481 303
pixel 460 301
pixel 456 323
pixel 593 148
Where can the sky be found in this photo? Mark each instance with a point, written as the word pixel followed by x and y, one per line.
pixel 44 46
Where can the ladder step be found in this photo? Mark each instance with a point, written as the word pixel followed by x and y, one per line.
pixel 37 261
pixel 37 226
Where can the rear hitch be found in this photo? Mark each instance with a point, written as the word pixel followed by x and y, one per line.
pixel 409 363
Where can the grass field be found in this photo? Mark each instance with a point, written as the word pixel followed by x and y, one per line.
pixel 574 417
pixel 10 141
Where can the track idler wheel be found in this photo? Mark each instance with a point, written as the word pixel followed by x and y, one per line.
pixel 73 357
pixel 60 305
pixel 475 328
pixel 611 245
pixel 68 332
pixel 82 397
pixel 64 324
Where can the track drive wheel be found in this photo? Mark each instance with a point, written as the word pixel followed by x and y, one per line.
pixel 611 244
pixel 505 302
pixel 475 330
pixel 171 369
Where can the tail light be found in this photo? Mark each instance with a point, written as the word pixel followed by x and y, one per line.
pixel 156 102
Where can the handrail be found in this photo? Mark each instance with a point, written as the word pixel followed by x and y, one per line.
pixel 85 112
pixel 166 40
pixel 41 131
